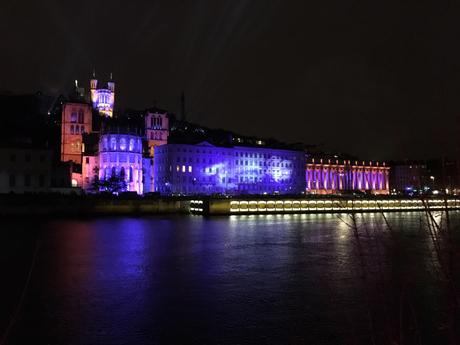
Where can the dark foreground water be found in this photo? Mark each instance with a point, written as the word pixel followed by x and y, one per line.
pixel 291 279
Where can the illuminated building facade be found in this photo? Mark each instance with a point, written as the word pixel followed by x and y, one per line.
pixel 156 129
pixel 333 177
pixel 76 120
pixel 156 133
pixel 103 99
pixel 121 155
pixel 89 170
pixel 208 169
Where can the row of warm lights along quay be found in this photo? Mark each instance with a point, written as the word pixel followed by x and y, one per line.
pixel 221 206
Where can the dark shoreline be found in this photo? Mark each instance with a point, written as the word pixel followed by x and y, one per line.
pixel 90 205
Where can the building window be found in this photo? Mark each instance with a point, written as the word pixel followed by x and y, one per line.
pixel 87 160
pixel 73 117
pixel 27 180
pixel 12 180
pixel 71 129
pixel 77 129
pixel 82 130
pixel 80 116
pixel 123 144
pixel 113 144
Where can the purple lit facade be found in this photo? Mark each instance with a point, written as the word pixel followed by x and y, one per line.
pixel 207 169
pixel 103 99
pixel 334 177
pixel 121 155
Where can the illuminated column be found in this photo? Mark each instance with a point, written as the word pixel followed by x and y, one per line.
pixel 325 178
pixel 333 187
pixel 387 187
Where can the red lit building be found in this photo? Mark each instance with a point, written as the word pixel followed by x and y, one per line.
pixel 76 120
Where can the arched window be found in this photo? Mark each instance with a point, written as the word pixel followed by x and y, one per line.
pixel 114 172
pixel 80 116
pixel 77 129
pixel 71 129
pixel 113 143
pixel 107 173
pixel 123 144
pixel 73 117
pixel 131 144
pixel 130 174
pixel 122 173
pixel 105 143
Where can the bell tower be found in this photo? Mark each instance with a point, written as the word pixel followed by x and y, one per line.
pixel 93 87
pixel 102 99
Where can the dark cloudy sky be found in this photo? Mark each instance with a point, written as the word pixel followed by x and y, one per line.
pixel 379 79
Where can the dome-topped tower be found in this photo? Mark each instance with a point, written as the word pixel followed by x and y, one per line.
pixel 103 99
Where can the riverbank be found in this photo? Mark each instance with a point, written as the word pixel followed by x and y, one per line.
pixel 58 205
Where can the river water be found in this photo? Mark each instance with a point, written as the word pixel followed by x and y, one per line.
pixel 272 279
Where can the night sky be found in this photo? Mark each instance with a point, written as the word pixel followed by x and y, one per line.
pixel 377 79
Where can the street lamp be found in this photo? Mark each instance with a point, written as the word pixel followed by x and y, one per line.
pixel 432 185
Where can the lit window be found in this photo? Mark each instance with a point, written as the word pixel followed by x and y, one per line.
pixel 122 144
pixel 183 168
pixel 189 168
pixel 113 143
pixel 73 117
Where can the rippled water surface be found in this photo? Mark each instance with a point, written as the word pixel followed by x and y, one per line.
pixel 292 279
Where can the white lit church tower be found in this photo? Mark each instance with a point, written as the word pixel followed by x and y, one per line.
pixel 103 99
